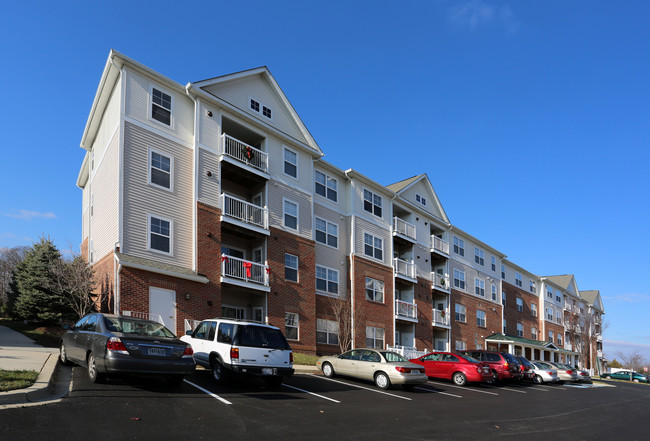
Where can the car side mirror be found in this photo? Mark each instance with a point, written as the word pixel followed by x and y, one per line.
pixel 67 327
pixel 189 332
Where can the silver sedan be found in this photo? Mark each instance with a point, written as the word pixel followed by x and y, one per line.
pixel 382 367
pixel 544 373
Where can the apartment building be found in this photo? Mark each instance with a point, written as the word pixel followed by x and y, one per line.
pixel 213 199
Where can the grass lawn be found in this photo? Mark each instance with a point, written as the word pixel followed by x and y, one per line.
pixel 305 359
pixel 44 334
pixel 11 380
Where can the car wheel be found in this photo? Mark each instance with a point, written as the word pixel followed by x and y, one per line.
pixel 382 381
pixel 328 370
pixel 608 377
pixel 63 357
pixel 175 380
pixel 495 377
pixel 636 380
pixel 537 379
pixel 273 382
pixel 459 379
pixel 93 374
pixel 218 371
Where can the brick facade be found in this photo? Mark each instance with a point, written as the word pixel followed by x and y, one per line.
pixel 468 331
pixel 424 302
pixel 513 316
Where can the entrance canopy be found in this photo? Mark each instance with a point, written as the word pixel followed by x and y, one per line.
pixel 533 350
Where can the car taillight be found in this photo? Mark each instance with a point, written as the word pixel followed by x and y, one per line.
pixel 234 353
pixel 403 369
pixel 188 352
pixel 290 357
pixel 115 344
pixel 505 366
pixel 550 373
pixel 570 372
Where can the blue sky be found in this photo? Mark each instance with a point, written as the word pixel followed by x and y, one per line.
pixel 531 119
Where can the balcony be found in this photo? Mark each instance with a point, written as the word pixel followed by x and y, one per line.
pixel 568 346
pixel 245 212
pixel 244 273
pixel 406 351
pixel 405 269
pixel 440 318
pixel 406 310
pixel 144 315
pixel 403 229
pixel 244 153
pixel 440 282
pixel 439 245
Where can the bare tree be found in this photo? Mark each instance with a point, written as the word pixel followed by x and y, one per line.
pixel 75 281
pixel 634 361
pixel 342 314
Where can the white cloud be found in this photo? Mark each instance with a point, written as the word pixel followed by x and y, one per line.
pixel 475 14
pixel 29 215
pixel 628 298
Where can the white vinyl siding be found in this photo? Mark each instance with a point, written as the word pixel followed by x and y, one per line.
pixel 276 208
pixel 209 186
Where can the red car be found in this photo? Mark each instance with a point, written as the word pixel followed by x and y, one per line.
pixel 460 369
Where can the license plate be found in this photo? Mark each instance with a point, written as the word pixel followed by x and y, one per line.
pixel 158 352
pixel 267 371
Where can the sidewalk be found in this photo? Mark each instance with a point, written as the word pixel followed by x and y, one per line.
pixel 18 352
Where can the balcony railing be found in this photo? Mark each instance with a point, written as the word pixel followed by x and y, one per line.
pixel 245 211
pixel 406 309
pixel 568 346
pixel 440 245
pixel 406 351
pixel 440 281
pixel 245 153
pixel 404 268
pixel 144 315
pixel 190 325
pixel 404 228
pixel 244 270
pixel 440 317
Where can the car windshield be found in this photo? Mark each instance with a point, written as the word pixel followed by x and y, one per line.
pixel 540 365
pixel 392 356
pixel 136 327
pixel 470 359
pixel 260 336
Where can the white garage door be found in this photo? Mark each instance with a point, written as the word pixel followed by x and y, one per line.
pixel 162 302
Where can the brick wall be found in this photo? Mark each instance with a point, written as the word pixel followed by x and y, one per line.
pixel 556 329
pixel 525 317
pixel 424 326
pixel 470 332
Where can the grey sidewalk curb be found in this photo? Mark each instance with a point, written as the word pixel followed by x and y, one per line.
pixel 42 390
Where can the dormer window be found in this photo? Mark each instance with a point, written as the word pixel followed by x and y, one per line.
pixel 420 199
pixel 266 112
pixel 255 105
pixel 258 107
pixel 161 106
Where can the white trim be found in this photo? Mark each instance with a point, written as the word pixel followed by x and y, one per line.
pixel 150 105
pixel 297 268
pixel 327 178
pixel 284 201
pixel 383 246
pixel 338 281
pixel 158 131
pixel 261 105
pixel 363 202
pixel 285 148
pixel 171 234
pixel 326 233
pixel 297 325
pixel 171 169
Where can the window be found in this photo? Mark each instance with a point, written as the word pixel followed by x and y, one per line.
pixel 161 106
pixel 160 169
pixel 235 312
pixel 558 299
pixel 494 293
pixel 374 290
pixel 550 336
pixel 160 234
pixel 479 256
pixel 518 280
pixel 533 333
pixel 372 203
pixel 520 330
pixel 533 309
pixel 559 339
pixel 503 298
pixel 326 186
pixel 291 325
pixel 373 246
pixel 520 304
pixel 290 214
pixel 459 279
pixel 266 111
pixel 290 163
pixel 374 337
pixel 327 332
pixel 479 287
pixel 549 314
pixel 480 318
pixel 494 263
pixel 460 313
pixel 558 317
pixel 549 293
pixel 505 327
pixel 327 233
pixel 291 267
pixel 255 105
pixel 503 271
pixel 459 246
pixel 420 199
pixel 327 280
pixel 533 287
pixel 460 345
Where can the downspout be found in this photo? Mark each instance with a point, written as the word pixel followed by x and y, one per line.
pixel 118 270
pixel 352 253
pixel 195 169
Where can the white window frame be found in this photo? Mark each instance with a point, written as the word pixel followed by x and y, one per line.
pixel 459 276
pixel 503 298
pixel 479 287
pixel 330 328
pixel 171 234
pixel 326 186
pixel 460 345
pixel 549 314
pixel 421 199
pixel 479 256
pixel 549 292
pixel 373 205
pixel 328 224
pixel 558 316
pixel 520 329
pixel 295 324
pixel 481 318
pixel 518 280
pixel 284 162
pixel 290 267
pixel 171 169
pixel 460 313
pixel 494 293
pixel 533 286
pixel 559 339
pixel 374 247
pixel 376 288
pixel 328 271
pixel 151 104
pixel 286 201
pixel 550 336
pixel 459 246
pixel 493 262
pixel 534 333
pixel 372 333
pixel 520 304
pixel 260 108
pixel 240 311
pixel 533 309
pixel 503 271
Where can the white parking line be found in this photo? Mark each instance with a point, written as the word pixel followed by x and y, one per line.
pixel 361 387
pixel 426 389
pixel 513 390
pixel 223 400
pixel 464 388
pixel 539 388
pixel 311 393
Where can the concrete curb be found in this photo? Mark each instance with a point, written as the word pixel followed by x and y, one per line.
pixel 304 369
pixel 41 390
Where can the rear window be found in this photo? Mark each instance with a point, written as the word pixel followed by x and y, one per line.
pixel 136 327
pixel 392 356
pixel 260 336
pixel 510 358
pixel 492 357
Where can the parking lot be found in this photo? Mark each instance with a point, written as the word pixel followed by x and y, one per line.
pixel 311 406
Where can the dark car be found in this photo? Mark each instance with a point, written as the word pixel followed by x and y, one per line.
pixel 504 366
pixel 627 375
pixel 461 369
pixel 527 368
pixel 108 344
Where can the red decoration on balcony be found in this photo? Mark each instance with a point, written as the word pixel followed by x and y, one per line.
pixel 248 152
pixel 268 270
pixel 248 266
pixel 224 259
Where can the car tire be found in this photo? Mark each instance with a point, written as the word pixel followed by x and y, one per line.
pixel 608 377
pixel 273 382
pixel 63 356
pixel 537 379
pixel 459 379
pixel 175 380
pixel 93 374
pixel 328 370
pixel 495 377
pixel 381 380
pixel 636 380
pixel 218 372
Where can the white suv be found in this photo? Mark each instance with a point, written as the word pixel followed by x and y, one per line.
pixel 228 346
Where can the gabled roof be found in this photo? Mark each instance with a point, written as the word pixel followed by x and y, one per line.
pixel 566 281
pixel 265 74
pixel 398 186
pixel 402 186
pixel 593 299
pixel 502 338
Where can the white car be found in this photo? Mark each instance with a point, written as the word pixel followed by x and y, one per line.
pixel 228 347
pixel 544 373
